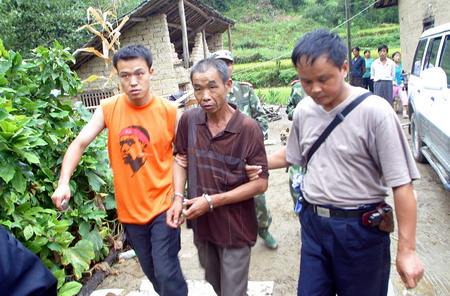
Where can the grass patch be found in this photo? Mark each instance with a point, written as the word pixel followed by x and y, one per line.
pixel 274 95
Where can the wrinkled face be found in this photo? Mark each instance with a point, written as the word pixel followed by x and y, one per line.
pixel 210 91
pixel 323 81
pixel 383 53
pixel 135 77
pixel 355 52
pixel 367 54
pixel 397 57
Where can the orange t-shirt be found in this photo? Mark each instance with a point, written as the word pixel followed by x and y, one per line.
pixel 140 151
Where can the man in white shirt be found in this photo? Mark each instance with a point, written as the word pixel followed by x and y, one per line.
pixel 383 74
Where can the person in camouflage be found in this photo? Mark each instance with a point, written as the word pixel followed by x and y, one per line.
pixel 243 95
pixel 297 94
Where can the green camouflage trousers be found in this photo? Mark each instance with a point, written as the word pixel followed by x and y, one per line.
pixel 262 212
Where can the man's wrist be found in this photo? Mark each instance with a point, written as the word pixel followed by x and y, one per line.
pixel 208 199
pixel 175 195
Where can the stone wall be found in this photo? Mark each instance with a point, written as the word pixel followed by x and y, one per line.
pixel 153 34
pixel 412 13
pixel 215 42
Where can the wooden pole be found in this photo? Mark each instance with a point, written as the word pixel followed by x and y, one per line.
pixel 349 42
pixel 184 33
pixel 205 45
pixel 230 44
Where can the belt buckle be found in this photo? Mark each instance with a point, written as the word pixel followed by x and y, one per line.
pixel 323 212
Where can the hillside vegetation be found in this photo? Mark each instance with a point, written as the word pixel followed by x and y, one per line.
pixel 267 30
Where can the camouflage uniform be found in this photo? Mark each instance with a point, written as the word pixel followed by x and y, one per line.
pixel 243 95
pixel 297 94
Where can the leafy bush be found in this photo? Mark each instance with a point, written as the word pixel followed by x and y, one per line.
pixel 36 127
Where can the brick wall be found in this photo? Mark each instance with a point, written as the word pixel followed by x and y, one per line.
pixel 215 43
pixel 153 34
pixel 411 14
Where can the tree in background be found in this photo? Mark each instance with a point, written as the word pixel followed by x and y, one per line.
pixel 29 24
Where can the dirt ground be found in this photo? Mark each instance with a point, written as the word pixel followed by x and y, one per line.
pixel 282 265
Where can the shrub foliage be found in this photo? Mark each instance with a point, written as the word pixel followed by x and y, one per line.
pixel 36 127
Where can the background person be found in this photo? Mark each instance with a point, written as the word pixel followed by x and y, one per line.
pixel 399 87
pixel 358 68
pixel 221 205
pixel 141 129
pixel 243 95
pixel 382 72
pixel 367 81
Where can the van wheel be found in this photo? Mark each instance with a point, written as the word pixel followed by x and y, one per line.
pixel 417 143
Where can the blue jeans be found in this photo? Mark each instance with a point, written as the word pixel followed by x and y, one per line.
pixel 341 256
pixel 157 246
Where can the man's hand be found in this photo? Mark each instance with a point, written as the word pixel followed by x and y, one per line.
pixel 173 215
pixel 181 160
pixel 409 267
pixel 253 171
pixel 61 193
pixel 195 207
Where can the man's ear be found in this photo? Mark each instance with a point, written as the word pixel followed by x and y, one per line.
pixel 151 71
pixel 345 68
pixel 229 85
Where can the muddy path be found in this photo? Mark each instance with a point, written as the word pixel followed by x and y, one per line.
pixel 282 265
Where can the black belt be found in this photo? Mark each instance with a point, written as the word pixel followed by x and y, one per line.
pixel 339 213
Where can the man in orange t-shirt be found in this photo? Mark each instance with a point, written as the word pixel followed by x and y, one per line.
pixel 141 130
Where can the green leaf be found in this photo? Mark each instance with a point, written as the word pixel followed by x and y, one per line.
pixel 84 228
pixel 61 276
pixel 79 256
pixel 70 289
pixel 31 157
pixel 110 202
pixel 7 172
pixel 28 232
pixel 95 181
pixel 19 182
pixel 3 113
pixel 97 242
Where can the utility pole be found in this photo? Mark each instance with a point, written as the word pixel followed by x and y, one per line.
pixel 349 42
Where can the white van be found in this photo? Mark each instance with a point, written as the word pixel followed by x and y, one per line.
pixel 429 101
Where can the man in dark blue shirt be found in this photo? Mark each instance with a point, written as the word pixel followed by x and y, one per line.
pixel 358 68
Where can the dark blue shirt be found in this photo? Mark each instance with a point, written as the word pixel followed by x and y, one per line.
pixel 357 67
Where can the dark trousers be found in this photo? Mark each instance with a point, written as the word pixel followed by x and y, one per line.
pixel 22 273
pixel 384 89
pixel 356 81
pixel 157 246
pixel 368 84
pixel 341 256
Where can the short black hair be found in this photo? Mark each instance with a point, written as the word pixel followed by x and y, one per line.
pixel 397 52
pixel 383 46
pixel 204 65
pixel 355 48
pixel 131 52
pixel 366 51
pixel 317 43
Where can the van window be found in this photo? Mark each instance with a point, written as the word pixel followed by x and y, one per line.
pixel 432 50
pixel 417 65
pixel 445 59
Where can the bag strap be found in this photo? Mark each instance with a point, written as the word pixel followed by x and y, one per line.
pixel 338 119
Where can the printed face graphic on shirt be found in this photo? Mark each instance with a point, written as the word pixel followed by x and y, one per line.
pixel 133 144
